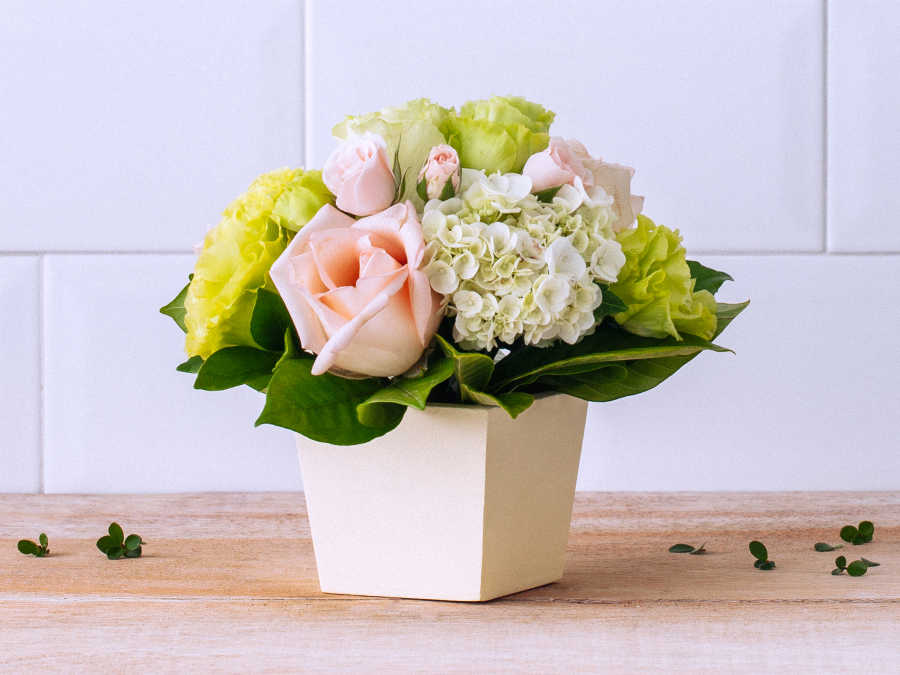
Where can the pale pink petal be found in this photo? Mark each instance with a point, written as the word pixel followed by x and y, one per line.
pixel 374 262
pixel 304 273
pixel 326 218
pixel 309 329
pixel 425 304
pixel 386 226
pixel 349 301
pixel 336 255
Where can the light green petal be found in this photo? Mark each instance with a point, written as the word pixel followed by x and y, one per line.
pixel 238 253
pixel 656 284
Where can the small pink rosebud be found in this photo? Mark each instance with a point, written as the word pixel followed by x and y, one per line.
pixel 439 177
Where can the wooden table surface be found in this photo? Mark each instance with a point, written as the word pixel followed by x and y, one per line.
pixel 228 583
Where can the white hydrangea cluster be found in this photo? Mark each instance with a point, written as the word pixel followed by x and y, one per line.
pixel 512 265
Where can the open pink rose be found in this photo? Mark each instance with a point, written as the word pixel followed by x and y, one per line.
pixel 355 291
pixel 441 166
pixel 359 174
pixel 555 166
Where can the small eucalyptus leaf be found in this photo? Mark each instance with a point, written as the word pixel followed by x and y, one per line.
pixel 767 565
pixel 849 533
pixel 857 568
pixel 866 530
pixel 681 548
pixel 44 541
pixel 27 547
pixel 822 547
pixel 758 550
pixel 105 543
pixel 115 531
pixel 132 542
pixel 115 553
pixel 869 563
pixel 135 553
pixel 840 562
pixel 836 571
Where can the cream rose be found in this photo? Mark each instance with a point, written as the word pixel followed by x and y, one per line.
pixel 555 166
pixel 355 291
pixel 441 166
pixel 359 174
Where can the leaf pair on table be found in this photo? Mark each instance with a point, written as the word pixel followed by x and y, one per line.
pixel 861 534
pixel 759 551
pixel 855 569
pixel 38 550
pixel 116 545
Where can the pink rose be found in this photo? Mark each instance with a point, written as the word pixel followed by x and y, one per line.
pixel 359 174
pixel 441 166
pixel 355 291
pixel 555 166
pixel 615 180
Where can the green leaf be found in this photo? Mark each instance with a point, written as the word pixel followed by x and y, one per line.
pixel 836 571
pixel 681 548
pixel 548 194
pixel 849 533
pixel 766 565
pixel 514 402
pixel 115 553
pixel 27 547
pixel 447 192
pixel 611 304
pixel 403 392
pixel 422 190
pixel 105 543
pixel 175 308
pixel 269 321
pixel 857 568
pixel 758 551
pixel 133 553
pixel 866 530
pixel 473 370
pixel 44 541
pixel 630 377
pixel 192 365
pixel 234 366
pixel 132 542
pixel 840 562
pixel 321 407
pixel 116 533
pixel 706 278
pixel 822 547
pixel 869 563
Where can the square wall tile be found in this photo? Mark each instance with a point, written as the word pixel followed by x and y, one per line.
pixel 718 105
pixel 20 374
pixel 131 126
pixel 863 125
pixel 809 400
pixel 119 418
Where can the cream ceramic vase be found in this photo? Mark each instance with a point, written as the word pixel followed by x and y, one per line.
pixel 456 503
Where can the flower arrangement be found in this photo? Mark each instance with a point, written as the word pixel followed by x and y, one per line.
pixel 442 256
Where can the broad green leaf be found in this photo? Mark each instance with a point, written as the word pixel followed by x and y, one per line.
pixel 135 553
pixel 269 321
pixel 115 553
pixel 116 533
pixel 840 562
pixel 681 548
pixel 192 365
pixel 105 543
pixel 473 370
pixel 857 568
pixel 849 533
pixel 707 279
pixel 402 392
pixel 513 402
pixel 27 547
pixel 548 194
pixel 758 551
pixel 132 542
pixel 631 377
pixel 866 530
pixel 175 308
pixel 234 366
pixel 321 407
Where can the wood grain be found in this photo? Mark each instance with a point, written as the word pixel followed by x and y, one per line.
pixel 228 584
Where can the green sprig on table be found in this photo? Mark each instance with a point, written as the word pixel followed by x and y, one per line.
pixel 822 547
pixel 687 548
pixel 855 569
pixel 861 534
pixel 759 551
pixel 40 549
pixel 116 545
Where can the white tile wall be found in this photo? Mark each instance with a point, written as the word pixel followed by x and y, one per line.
pixel 129 128
pixel 864 121
pixel 20 374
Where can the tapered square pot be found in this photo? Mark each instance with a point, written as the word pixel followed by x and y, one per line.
pixel 456 503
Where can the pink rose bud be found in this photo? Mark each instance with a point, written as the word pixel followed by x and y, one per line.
pixel 356 293
pixel 555 166
pixel 359 175
pixel 439 177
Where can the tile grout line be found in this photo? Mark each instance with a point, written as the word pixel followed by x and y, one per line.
pixel 42 369
pixel 307 70
pixel 825 126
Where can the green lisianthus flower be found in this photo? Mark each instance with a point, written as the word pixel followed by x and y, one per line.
pixel 498 134
pixel 237 255
pixel 656 284
pixel 410 131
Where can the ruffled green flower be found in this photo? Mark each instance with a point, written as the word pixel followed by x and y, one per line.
pixel 656 285
pixel 412 129
pixel 498 134
pixel 238 253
